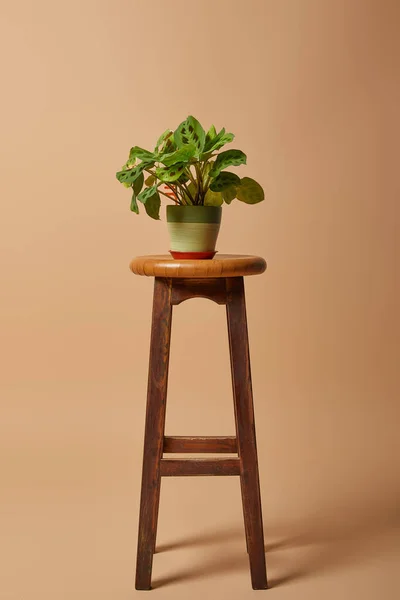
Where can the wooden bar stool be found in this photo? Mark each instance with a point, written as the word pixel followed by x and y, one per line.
pixel 220 280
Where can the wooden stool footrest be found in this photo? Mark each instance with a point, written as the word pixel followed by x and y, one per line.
pixel 177 467
pixel 209 444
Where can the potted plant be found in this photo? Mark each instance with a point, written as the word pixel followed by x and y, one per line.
pixel 188 168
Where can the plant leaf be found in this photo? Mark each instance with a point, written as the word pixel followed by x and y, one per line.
pixel 211 134
pixel 213 198
pixel 183 154
pixel 183 178
pixel 229 194
pixel 141 154
pixel 131 175
pixel 134 204
pixel 227 159
pixel 220 140
pixel 190 132
pixel 205 156
pixel 138 184
pixel 223 181
pixel 128 165
pixel 136 188
pixel 151 200
pixel 170 173
pixel 212 140
pixel 192 189
pixel 163 137
pixel 226 139
pixel 207 168
pixel 249 191
pixel 169 146
pixel 152 206
pixel 150 180
pixel 147 193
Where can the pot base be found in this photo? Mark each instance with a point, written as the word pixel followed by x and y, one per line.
pixel 193 255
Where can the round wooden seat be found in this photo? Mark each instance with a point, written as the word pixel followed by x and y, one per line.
pixel 223 265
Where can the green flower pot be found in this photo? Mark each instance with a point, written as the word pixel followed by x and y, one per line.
pixel 193 230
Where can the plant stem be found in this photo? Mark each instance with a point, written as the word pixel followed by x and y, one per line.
pixel 182 191
pixel 207 179
pixel 173 190
pixel 199 195
pixel 188 192
pixel 188 172
pixel 166 195
pixel 207 185
pixel 159 191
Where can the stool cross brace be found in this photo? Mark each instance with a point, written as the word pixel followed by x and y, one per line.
pixel 167 293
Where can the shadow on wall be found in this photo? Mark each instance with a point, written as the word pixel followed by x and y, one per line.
pixel 329 541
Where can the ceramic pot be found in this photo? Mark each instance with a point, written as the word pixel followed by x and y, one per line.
pixel 193 230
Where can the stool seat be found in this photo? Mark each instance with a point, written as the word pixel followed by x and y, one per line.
pixel 222 265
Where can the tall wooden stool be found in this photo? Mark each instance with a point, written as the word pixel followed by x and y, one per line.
pixel 220 280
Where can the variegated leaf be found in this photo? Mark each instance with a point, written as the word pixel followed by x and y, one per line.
pixel 151 200
pixel 170 173
pixel 134 204
pixel 223 181
pixel 190 132
pixel 141 154
pixel 211 134
pixel 147 193
pixel 131 175
pixel 162 139
pixel 227 159
pixel 183 154
pixel 218 141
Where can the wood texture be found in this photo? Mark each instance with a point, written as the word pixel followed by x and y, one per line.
pixel 194 444
pixel 178 467
pixel 212 288
pixel 245 430
pixel 222 265
pixel 154 431
pixel 169 291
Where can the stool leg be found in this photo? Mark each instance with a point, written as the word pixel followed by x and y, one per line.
pixel 154 430
pixel 245 429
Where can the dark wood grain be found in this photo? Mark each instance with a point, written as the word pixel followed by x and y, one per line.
pixel 169 292
pixel 207 444
pixel 212 289
pixel 154 430
pixel 178 467
pixel 245 429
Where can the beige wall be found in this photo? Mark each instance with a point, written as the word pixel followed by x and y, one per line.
pixel 311 90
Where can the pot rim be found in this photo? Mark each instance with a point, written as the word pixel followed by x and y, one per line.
pixel 186 214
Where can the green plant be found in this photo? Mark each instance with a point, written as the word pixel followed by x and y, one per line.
pixel 187 168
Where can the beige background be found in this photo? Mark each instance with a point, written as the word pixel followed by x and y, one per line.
pixel 311 89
